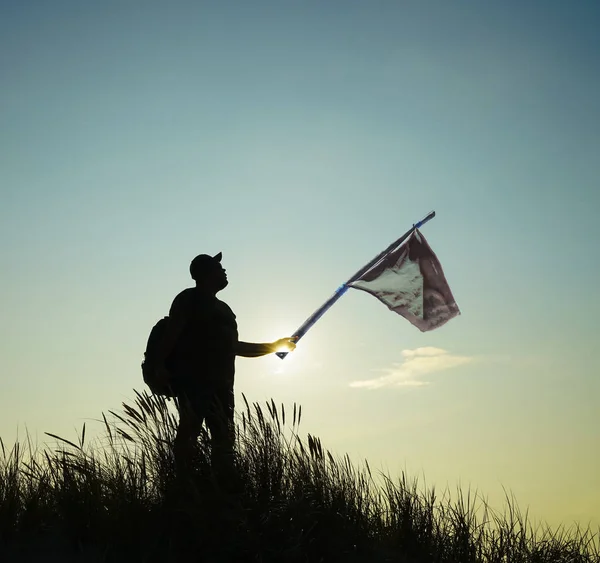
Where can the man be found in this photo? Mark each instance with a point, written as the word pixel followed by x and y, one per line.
pixel 197 357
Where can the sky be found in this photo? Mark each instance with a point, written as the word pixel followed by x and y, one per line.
pixel 300 138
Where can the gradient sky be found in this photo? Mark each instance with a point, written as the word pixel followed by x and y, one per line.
pixel 300 138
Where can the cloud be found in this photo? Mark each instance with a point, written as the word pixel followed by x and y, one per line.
pixel 417 363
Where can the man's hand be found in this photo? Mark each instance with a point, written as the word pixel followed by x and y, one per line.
pixel 284 344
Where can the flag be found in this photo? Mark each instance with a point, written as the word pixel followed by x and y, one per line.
pixel 411 282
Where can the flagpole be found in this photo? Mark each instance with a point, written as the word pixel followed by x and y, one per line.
pixel 308 323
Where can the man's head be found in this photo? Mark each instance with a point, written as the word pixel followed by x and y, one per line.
pixel 207 271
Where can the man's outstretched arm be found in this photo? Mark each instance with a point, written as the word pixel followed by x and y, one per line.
pixel 255 349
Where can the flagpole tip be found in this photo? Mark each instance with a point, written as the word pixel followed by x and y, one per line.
pixel 424 220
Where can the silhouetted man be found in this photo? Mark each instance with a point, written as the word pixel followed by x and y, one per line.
pixel 198 359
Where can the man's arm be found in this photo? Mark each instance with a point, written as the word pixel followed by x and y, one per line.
pixel 255 349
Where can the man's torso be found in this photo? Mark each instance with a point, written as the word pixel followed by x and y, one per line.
pixel 205 351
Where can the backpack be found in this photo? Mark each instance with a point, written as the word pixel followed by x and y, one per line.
pixel 149 363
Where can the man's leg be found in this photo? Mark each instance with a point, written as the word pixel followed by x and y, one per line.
pixel 220 422
pixel 188 431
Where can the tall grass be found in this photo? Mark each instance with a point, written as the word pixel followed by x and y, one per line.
pixel 118 499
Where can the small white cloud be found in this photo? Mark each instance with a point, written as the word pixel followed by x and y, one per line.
pixel 417 364
pixel 425 351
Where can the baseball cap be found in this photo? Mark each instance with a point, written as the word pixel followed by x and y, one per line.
pixel 204 263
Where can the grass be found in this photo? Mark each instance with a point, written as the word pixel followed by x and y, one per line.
pixel 117 499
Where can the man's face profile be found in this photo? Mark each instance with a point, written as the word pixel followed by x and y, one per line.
pixel 218 275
